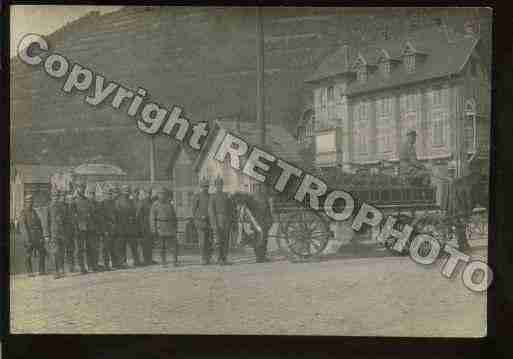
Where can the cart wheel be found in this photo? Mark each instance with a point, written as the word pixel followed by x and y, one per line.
pixel 436 227
pixel 306 233
pixel 402 220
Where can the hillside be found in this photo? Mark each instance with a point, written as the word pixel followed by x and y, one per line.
pixel 200 58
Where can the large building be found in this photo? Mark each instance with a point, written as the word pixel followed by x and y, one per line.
pixel 365 98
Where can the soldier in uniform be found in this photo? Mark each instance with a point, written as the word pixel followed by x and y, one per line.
pixel 126 228
pixel 70 231
pixel 264 216
pixel 220 215
pixel 409 166
pixel 201 220
pixel 143 222
pixel 84 214
pixel 32 232
pixel 107 224
pixel 163 224
pixel 95 234
pixel 56 225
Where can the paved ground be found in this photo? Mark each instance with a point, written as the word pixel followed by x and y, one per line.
pixel 367 296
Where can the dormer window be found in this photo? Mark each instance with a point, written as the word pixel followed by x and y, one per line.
pixel 410 56
pixel 385 68
pixel 361 69
pixel 409 63
pixel 361 74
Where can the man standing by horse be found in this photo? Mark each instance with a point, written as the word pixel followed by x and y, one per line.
pixel 220 212
pixel 201 220
pixel 142 216
pixel 264 216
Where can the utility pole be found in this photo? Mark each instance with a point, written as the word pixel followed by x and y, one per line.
pixel 152 159
pixel 260 76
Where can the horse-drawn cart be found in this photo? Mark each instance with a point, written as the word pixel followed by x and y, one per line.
pixel 304 233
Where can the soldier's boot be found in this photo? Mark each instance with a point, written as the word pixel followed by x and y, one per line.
pixel 81 264
pixel 175 253
pixel 28 265
pixel 42 264
pixel 135 253
pixel 70 256
pixel 163 257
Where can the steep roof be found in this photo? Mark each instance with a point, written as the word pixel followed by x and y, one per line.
pixel 446 53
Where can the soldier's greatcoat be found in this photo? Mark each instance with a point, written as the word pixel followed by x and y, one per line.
pixel 31 231
pixel 142 216
pixel 200 209
pixel 84 214
pixel 30 226
pixel 108 217
pixel 126 224
pixel 220 210
pixel 57 224
pixel 163 221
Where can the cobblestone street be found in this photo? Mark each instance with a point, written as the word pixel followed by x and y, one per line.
pixel 390 296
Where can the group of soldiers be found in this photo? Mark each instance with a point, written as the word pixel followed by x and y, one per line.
pixel 78 225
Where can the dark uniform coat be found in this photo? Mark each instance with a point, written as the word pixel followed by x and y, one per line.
pixel 57 220
pixel 220 210
pixel 126 223
pixel 108 217
pixel 30 226
pixel 142 215
pixel 84 214
pixel 163 221
pixel 200 209
pixel 69 220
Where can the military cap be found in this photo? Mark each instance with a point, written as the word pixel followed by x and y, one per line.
pixel 125 189
pixel 28 198
pixel 411 133
pixel 204 182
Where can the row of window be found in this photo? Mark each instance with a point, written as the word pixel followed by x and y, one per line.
pixel 386 130
pixel 386 137
pixel 326 96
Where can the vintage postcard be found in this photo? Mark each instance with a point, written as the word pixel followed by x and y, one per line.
pixel 244 170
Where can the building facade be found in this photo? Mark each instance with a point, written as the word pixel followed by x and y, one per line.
pixel 432 81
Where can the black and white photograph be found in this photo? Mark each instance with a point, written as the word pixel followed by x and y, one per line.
pixel 250 170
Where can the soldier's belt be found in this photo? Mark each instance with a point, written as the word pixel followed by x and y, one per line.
pixel 163 220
